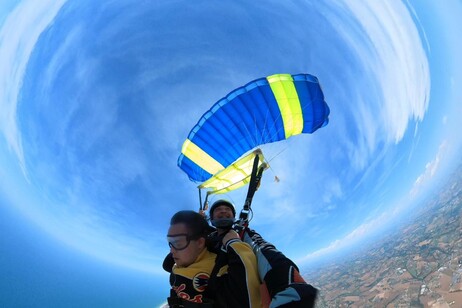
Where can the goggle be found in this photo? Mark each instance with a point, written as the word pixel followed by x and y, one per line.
pixel 179 241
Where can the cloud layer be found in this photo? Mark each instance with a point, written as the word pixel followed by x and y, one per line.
pixel 108 92
pixel 18 36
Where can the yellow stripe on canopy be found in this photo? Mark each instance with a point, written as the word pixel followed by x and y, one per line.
pixel 235 175
pixel 286 96
pixel 200 158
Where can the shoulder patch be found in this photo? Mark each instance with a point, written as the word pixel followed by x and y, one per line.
pixel 200 281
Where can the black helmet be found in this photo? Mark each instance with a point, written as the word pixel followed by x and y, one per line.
pixel 220 203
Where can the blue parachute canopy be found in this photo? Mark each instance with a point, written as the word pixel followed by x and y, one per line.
pixel 263 111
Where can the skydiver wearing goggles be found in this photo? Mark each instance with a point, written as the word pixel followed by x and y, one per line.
pixel 283 281
pixel 194 269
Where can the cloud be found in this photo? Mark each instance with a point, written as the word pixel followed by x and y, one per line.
pixel 400 63
pixel 385 218
pixel 444 120
pixel 350 239
pixel 169 96
pixel 430 171
pixel 18 36
pixel 375 224
pixel 106 238
pixel 333 190
pixel 386 77
pixel 380 87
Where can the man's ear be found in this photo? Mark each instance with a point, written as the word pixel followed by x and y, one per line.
pixel 201 242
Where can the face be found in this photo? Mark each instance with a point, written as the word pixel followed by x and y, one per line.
pixel 186 251
pixel 222 211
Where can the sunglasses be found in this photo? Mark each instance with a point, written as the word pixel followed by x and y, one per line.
pixel 180 241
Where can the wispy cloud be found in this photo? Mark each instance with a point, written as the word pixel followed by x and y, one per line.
pixel 350 239
pixel 333 189
pixel 400 95
pixel 373 225
pixel 405 84
pixel 18 36
pixel 390 83
pixel 430 170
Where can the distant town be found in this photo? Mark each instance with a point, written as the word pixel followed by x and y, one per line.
pixel 418 266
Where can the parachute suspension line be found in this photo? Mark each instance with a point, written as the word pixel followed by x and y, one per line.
pixel 265 135
pixel 254 184
pixel 255 139
pixel 263 138
pixel 278 153
pixel 250 134
pixel 200 201
pixel 288 141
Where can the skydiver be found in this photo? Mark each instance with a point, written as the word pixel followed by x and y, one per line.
pixel 196 278
pixel 284 285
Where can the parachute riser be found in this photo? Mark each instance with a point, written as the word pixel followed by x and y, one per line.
pixel 203 206
pixel 254 184
pixel 200 200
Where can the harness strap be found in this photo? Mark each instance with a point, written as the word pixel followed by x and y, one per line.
pixel 220 261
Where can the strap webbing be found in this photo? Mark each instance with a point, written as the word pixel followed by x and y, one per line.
pixel 255 179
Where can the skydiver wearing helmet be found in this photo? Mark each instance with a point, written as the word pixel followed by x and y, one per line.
pixel 222 215
pixel 284 285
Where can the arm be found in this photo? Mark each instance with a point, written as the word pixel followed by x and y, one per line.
pixel 239 279
pixel 285 285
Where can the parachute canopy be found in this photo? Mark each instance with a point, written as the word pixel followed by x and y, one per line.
pixel 265 110
pixel 235 175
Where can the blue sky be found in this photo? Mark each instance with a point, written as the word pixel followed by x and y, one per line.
pixel 97 99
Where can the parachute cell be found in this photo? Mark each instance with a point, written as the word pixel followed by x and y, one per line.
pixel 263 111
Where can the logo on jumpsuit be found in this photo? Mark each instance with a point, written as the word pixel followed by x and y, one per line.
pixel 200 281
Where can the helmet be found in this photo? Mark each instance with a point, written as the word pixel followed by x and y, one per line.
pixel 222 202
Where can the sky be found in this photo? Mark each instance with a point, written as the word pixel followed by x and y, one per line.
pixel 96 99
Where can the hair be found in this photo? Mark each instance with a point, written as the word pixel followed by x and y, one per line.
pixel 195 223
